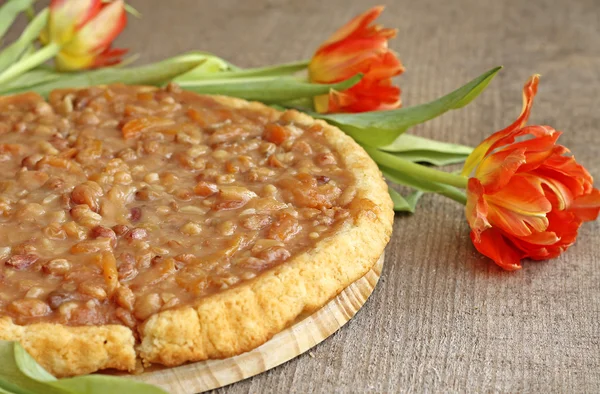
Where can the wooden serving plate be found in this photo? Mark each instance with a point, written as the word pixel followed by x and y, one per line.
pixel 291 342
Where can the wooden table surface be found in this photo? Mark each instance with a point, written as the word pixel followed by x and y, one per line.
pixel 443 318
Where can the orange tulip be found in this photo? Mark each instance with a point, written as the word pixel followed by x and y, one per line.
pixel 526 199
pixel 85 30
pixel 358 47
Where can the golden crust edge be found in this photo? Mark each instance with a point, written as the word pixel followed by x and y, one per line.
pixel 243 318
pixel 67 351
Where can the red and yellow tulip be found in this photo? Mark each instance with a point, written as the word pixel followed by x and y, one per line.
pixel 526 198
pixel 84 30
pixel 358 47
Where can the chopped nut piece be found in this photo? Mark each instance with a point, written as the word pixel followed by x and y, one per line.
pixel 21 261
pixel 191 228
pixel 135 214
pixel 109 269
pixel 57 267
pixel 92 289
pixel 136 234
pixel 125 297
pixel 30 307
pixel 147 305
pixel 205 189
pixel 91 246
pixel 120 229
pixel 275 133
pixel 103 232
pixel 87 193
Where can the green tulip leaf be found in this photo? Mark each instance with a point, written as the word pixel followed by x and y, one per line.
pixel 9 12
pixel 21 374
pixel 152 74
pixel 425 150
pixel 409 142
pixel 226 73
pixel 382 128
pixel 211 66
pixel 423 185
pixel 200 55
pixel 129 9
pixel 266 89
pixel 38 76
pixel 405 204
pixel 28 366
pixel 101 384
pixel 132 11
pixel 12 52
pixel 432 157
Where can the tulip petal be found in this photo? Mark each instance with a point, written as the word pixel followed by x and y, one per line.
pixel 587 207
pixel 323 103
pixel 533 160
pixel 493 245
pixel 519 208
pixel 97 35
pixel 66 62
pixel 543 138
pixel 66 17
pixel 542 238
pixel 506 135
pixel 496 170
pixel 358 47
pixel 377 64
pixel 514 223
pixel 541 248
pixel 349 60
pixel 536 149
pixel 560 192
pixel 567 167
pixel 359 26
pixel 109 57
pixel 521 195
pixel 380 69
pixel 370 94
pixel 566 225
pixel 476 209
pixel 338 101
pixel 563 224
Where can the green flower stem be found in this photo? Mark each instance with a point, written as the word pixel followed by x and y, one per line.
pixel 31 61
pixel 417 170
pixel 423 185
pixel 455 195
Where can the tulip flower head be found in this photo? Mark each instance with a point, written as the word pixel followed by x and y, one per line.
pixel 85 30
pixel 358 47
pixel 526 199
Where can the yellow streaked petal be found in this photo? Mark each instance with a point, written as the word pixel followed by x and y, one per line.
pixel 321 103
pixel 507 134
pixel 67 16
pixel 96 35
pixel 360 22
pixel 66 62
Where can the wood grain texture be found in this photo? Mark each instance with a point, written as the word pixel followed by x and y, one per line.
pixel 293 341
pixel 443 318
